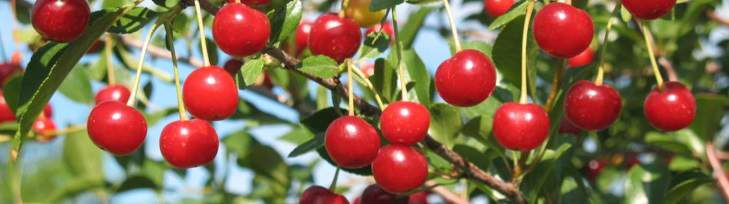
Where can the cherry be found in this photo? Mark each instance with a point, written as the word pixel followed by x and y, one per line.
pixel 351 142
pixel 649 9
pixel 670 108
pixel 60 20
pixel 321 195
pixel 7 70
pixel 116 127
pixel 375 194
pixel 496 8
pixel 253 2
pixel 405 123
pixel 359 10
pixel 188 143
pixel 418 198
pixel 520 127
pixel 591 106
pixel 567 127
pixel 368 69
pixel 48 111
pixel 562 30
pixel 335 37
pixel 399 168
pixel 594 167
pixel 240 30
pixel 584 58
pixel 210 94
pixel 6 114
pixel 233 66
pixel 385 27
pixel 117 93
pixel 95 48
pixel 302 36
pixel 465 79
pixel 44 128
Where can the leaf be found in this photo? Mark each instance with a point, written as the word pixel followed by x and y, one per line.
pixel 319 121
pixel 472 155
pixel 252 70
pixel 77 86
pixel 419 74
pixel 81 156
pixel 133 21
pixel 238 143
pixel 411 28
pixel 685 188
pixel 384 80
pixel 212 50
pixel 515 12
pixel 374 45
pixel 682 142
pixel 266 162
pixel 646 183
pixel 507 51
pixel 709 111
pixel 114 4
pixel 312 144
pixel 383 4
pixel 283 26
pixel 135 182
pixel 11 91
pixel 320 66
pixel 445 123
pixel 74 187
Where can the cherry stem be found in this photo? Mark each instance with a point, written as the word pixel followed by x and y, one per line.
pixel 398 49
pixel 171 46
pixel 556 82
pixel 350 91
pixel 333 185
pixel 108 43
pixel 525 33
pixel 201 30
pixel 647 38
pixel 454 30
pixel 601 64
pixel 369 85
pixel 133 98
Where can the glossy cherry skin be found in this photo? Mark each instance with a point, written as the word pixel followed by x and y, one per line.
pixel 671 108
pixel 117 93
pixel 44 128
pixel 6 114
pixel 649 9
pixel 60 20
pixel 117 128
pixel 405 123
pixel 48 111
pixel 466 79
pixel 233 66
pixel 496 8
pixel 359 11
pixel 562 30
pixel 210 94
pixel 584 58
pixel 335 37
pixel 253 2
pixel 188 143
pixel 375 194
pixel 351 142
pixel 302 36
pixel 399 168
pixel 7 70
pixel 567 127
pixel 592 107
pixel 321 195
pixel 240 30
pixel 521 127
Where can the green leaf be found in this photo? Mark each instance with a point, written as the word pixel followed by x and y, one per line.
pixel 212 50
pixel 77 86
pixel 646 183
pixel 515 12
pixel 133 21
pixel 238 143
pixel 473 155
pixel 411 28
pixel 419 74
pixel 285 20
pixel 685 188
pixel 320 66
pixel 384 80
pixel 114 4
pixel 82 157
pixel 252 70
pixel 313 144
pixel 445 123
pixel 682 142
pixel 75 187
pixel 135 182
pixel 374 45
pixel 709 111
pixel 11 91
pixel 266 162
pixel 383 4
pixel 507 51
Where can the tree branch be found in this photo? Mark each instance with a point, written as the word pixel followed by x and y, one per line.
pixel 713 16
pixel 719 174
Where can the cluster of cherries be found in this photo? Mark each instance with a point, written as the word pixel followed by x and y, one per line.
pixel 372 194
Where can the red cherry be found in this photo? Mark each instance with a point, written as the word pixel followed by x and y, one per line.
pixel 418 198
pixel 351 142
pixel 399 168
pixel 321 195
pixel 302 35
pixel 116 127
pixel 335 37
pixel 671 108
pixel 594 167
pixel 6 114
pixel 233 66
pixel 117 93
pixel 584 58
pixel 649 9
pixel 405 123
pixel 567 127
pixel 252 2
pixel 591 106
pixel 16 58
pixel 240 30
pixel 375 194
pixel 466 79
pixel 562 30
pixel 385 27
pixel 48 111
pixel 631 159
pixel 7 70
pixel 188 143
pixel 496 8
pixel 520 127
pixel 45 128
pixel 60 20
pixel 210 93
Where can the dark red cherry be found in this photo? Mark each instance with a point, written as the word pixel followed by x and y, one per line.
pixel 351 142
pixel 649 9
pixel 591 106
pixel 254 2
pixel 188 143
pixel 375 194
pixel 210 93
pixel 465 79
pixel 418 198
pixel 405 123
pixel 399 168
pixel 567 127
pixel 521 127
pixel 115 92
pixel 584 58
pixel 7 70
pixel 562 30
pixel 6 114
pixel 48 111
pixel 240 30
pixel 670 108
pixel 496 8
pixel 60 20
pixel 302 36
pixel 44 128
pixel 115 127
pixel 335 37
pixel 233 66
pixel 594 168
pixel 321 195
pixel 384 27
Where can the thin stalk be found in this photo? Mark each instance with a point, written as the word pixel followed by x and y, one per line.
pixel 369 85
pixel 135 88
pixel 333 185
pixel 201 30
pixel 350 91
pixel 109 64
pixel 601 63
pixel 525 34
pixel 647 38
pixel 556 82
pixel 171 47
pixel 452 21
pixel 398 50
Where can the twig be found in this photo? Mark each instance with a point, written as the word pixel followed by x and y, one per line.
pixel 718 170
pixel 668 66
pixel 712 15
pixel 446 194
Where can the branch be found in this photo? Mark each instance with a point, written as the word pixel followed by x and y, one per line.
pixel 713 16
pixel 446 194
pixel 719 174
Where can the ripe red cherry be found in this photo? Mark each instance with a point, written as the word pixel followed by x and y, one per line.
pixel 188 143
pixel 240 30
pixel 321 195
pixel 562 30
pixel 418 198
pixel 335 37
pixel 44 128
pixel 252 2
pixel 584 58
pixel 60 20
pixel 466 79
pixel 496 8
pixel 385 27
pixel 649 9
pixel 375 194
pixel 7 70
pixel 671 108
pixel 117 93
pixel 351 142
pixel 233 66
pixel 6 114
pixel 399 168
pixel 567 127
pixel 48 111
pixel 115 127
pixel 209 93
pixel 405 123
pixel 520 127
pixel 302 36
pixel 591 106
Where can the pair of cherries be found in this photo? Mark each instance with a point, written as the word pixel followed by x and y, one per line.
pixel 373 194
